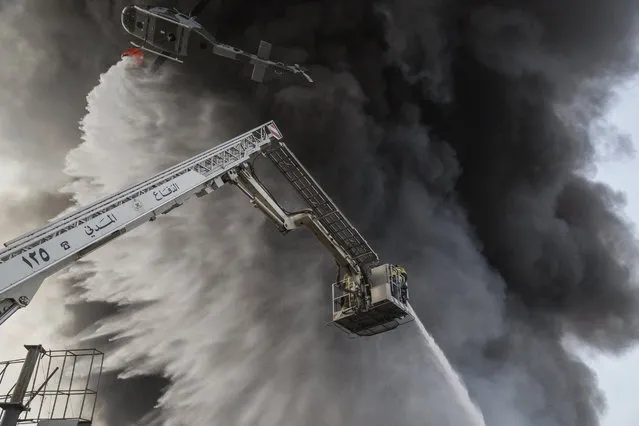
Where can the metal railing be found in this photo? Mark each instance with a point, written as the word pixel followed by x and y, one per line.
pixel 63 385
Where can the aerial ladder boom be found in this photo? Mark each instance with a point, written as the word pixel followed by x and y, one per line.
pixel 27 260
pixel 368 297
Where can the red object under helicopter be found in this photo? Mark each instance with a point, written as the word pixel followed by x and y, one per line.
pixel 136 54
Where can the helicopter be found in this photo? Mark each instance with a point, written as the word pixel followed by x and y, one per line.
pixel 172 35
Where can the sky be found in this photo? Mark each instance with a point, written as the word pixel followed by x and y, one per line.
pixel 618 376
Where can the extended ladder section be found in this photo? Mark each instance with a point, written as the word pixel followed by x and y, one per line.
pixel 29 259
pixel 326 212
pixel 369 298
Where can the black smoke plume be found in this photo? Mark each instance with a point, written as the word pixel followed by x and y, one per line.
pixel 456 135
